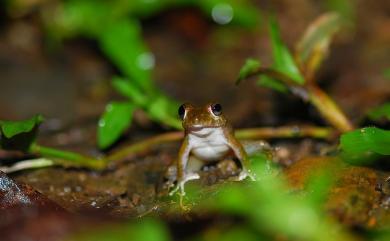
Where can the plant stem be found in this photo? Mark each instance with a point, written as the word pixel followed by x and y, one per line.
pixel 63 157
pixel 286 132
pixel 328 108
pixel 28 164
pixel 144 145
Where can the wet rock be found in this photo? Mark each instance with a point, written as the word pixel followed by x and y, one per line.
pixel 13 194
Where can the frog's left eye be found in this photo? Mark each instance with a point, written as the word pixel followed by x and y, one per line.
pixel 216 109
pixel 182 111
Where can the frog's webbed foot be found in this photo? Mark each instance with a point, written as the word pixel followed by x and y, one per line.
pixel 180 183
pixel 246 174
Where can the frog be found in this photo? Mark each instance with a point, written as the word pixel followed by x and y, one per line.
pixel 210 137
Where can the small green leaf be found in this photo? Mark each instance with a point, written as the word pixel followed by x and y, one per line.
pixel 364 145
pixel 250 67
pixel 12 128
pixel 271 83
pixel 129 90
pixel 19 135
pixel 382 111
pixel 114 121
pixel 283 60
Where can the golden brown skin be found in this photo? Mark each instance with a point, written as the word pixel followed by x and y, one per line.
pixel 208 136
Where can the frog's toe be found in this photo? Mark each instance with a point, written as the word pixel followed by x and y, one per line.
pixel 191 176
pixel 180 184
pixel 244 174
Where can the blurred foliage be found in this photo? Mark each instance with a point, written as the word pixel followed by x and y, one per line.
pixel 143 230
pixel 295 73
pixel 115 26
pixel 365 145
pixel 19 135
pixel 283 60
pixel 346 8
pixel 380 112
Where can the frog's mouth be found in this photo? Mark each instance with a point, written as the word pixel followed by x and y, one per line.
pixel 196 128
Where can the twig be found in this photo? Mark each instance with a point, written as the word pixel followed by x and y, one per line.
pixel 68 158
pixel 144 145
pixel 27 164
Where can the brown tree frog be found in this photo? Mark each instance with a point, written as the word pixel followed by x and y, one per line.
pixel 209 137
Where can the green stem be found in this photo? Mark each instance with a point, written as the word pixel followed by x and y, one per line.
pixel 68 158
pixel 144 145
pixel 286 132
pixel 328 109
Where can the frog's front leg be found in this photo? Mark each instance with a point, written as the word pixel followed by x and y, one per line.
pixel 182 160
pixel 241 154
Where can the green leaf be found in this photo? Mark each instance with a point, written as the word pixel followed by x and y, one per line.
pixel 114 121
pixel 19 135
pixel 283 60
pixel 271 83
pixel 163 109
pixel 250 67
pixel 129 90
pixel 12 128
pixel 382 111
pixel 365 145
pixel 123 44
pixel 317 36
pixel 241 12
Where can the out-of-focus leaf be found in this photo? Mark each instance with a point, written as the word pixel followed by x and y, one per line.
pixel 365 145
pixel 88 17
pixel 164 110
pixel 129 90
pixel 386 73
pixel 229 11
pixel 12 128
pixel 143 230
pixel 116 118
pixel 267 205
pixel 382 111
pixel 317 36
pixel 242 233
pixel 346 8
pixel 250 66
pixel 19 135
pixel 283 60
pixel 122 42
pixel 271 83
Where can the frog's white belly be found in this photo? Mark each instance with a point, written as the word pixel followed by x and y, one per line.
pixel 208 144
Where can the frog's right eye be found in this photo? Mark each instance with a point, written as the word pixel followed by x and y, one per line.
pixel 182 111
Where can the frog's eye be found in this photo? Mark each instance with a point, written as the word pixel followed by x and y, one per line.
pixel 182 111
pixel 216 109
